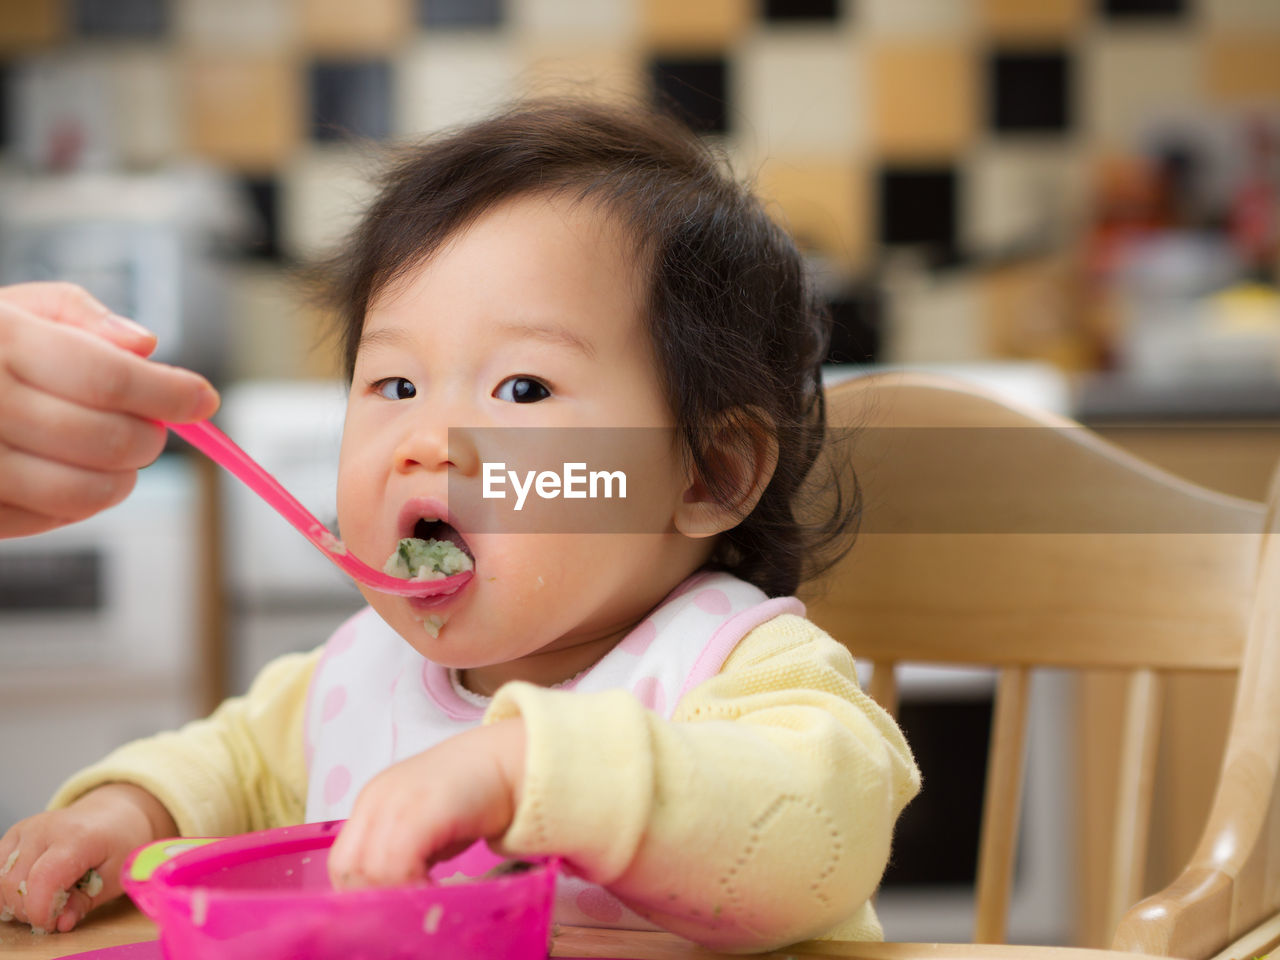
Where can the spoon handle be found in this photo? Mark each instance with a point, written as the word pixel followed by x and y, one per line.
pixel 222 450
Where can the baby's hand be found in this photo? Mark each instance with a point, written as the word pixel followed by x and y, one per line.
pixel 43 857
pixel 431 807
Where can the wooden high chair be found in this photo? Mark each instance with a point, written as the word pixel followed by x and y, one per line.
pixel 1014 538
pixel 1009 537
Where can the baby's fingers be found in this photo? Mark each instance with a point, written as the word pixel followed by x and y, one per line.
pixel 367 854
pixel 344 854
pixel 56 897
pixel 14 864
pixel 389 847
pixel 90 892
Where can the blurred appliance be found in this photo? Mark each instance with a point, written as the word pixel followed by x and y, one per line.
pixel 284 594
pixel 97 634
pixel 1189 320
pixel 143 244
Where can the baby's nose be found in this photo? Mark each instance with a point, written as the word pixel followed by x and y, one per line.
pixel 437 448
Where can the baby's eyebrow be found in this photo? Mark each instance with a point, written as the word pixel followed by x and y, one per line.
pixel 551 334
pixel 386 336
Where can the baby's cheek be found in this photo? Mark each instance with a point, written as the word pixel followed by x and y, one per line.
pixel 397 613
pixel 511 604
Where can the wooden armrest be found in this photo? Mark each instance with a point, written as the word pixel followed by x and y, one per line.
pixel 1188 918
pixel 1229 886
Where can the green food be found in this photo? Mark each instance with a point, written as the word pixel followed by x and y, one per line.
pixel 416 559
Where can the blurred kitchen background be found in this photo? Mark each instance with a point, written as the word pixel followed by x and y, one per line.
pixel 1075 201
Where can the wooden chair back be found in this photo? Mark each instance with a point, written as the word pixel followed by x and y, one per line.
pixel 1018 539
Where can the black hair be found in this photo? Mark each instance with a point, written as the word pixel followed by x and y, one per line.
pixel 737 329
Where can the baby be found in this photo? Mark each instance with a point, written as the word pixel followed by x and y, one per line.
pixel 645 700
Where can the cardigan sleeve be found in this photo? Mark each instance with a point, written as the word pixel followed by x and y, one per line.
pixel 240 769
pixel 759 815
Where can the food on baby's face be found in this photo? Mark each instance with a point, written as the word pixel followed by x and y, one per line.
pixel 433 624
pixel 416 559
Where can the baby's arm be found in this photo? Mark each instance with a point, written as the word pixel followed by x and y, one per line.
pixel 762 815
pixel 240 769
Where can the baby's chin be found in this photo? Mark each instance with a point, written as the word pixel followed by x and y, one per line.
pixel 438 639
pixel 449 650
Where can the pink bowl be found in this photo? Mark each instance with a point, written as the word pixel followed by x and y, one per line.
pixel 267 896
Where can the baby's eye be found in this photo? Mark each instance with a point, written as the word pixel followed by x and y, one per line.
pixel 395 388
pixel 521 390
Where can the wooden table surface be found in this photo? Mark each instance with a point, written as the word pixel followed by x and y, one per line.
pixel 110 926
pixel 121 923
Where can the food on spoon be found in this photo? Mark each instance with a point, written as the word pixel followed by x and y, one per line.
pixel 417 559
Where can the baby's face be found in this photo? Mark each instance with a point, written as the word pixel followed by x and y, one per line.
pixel 529 318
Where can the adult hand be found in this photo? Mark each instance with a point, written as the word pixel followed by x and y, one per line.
pixel 78 401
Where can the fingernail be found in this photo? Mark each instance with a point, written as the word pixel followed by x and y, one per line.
pixel 209 401
pixel 124 323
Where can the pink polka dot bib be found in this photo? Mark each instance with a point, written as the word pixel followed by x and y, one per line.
pixel 374 700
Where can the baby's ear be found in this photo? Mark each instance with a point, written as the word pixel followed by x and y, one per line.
pixel 741 457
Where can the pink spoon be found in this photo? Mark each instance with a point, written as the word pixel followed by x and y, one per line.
pixel 219 448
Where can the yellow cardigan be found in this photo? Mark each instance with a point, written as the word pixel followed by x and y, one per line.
pixel 759 815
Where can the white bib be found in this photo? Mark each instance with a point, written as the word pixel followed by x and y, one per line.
pixel 374 700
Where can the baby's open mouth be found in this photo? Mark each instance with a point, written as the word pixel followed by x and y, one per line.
pixel 436 550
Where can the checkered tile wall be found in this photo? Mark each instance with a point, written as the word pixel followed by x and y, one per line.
pixel 964 125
